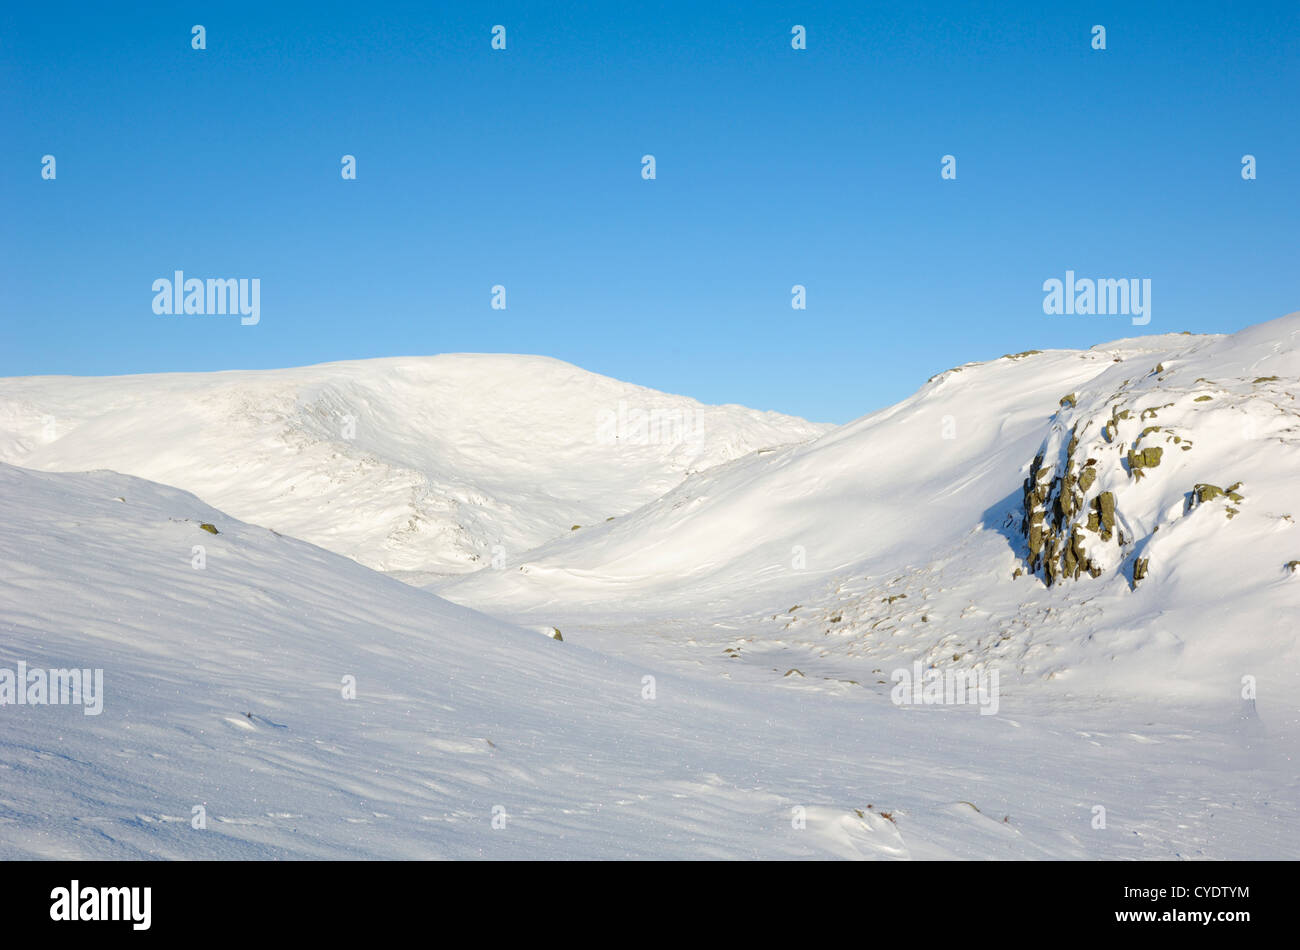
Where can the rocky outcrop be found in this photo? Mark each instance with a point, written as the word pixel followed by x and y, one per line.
pixel 1099 450
pixel 1062 519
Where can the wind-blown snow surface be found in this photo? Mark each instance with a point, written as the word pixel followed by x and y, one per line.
pixel 222 688
pixel 428 464
pixel 771 597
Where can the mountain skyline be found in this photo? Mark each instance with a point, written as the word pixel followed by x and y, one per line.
pixel 1040 609
pixel 521 168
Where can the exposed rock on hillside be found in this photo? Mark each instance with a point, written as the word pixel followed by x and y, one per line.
pixel 1129 456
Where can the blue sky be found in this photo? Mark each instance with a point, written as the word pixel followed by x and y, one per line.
pixel 522 168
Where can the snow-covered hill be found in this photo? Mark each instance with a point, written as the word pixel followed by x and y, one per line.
pixel 226 731
pixel 435 464
pixel 926 531
pixel 1111 531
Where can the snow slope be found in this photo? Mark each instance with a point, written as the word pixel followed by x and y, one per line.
pixel 916 475
pixel 903 536
pixel 431 464
pixel 223 689
pixel 723 686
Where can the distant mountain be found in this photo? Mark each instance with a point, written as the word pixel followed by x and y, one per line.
pixel 409 464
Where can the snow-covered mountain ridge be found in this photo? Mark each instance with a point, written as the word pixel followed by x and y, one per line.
pixel 930 530
pixel 430 464
pixel 730 642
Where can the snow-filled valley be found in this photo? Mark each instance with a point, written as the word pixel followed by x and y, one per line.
pixel 324 599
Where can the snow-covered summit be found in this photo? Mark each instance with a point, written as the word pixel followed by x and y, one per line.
pixel 432 464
